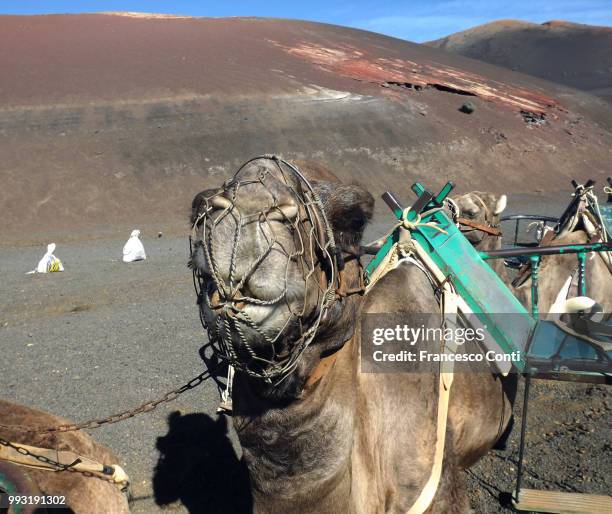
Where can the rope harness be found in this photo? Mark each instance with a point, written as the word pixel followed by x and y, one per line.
pixel 316 253
pixel 234 335
pixel 584 209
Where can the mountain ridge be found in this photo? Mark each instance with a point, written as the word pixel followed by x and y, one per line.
pixel 573 54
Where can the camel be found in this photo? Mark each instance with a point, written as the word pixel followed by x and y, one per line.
pixel 554 271
pixel 484 209
pixel 557 272
pixel 479 208
pixel 83 494
pixel 328 438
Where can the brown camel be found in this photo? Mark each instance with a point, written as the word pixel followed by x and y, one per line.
pixel 329 438
pixel 555 270
pixel 83 494
pixel 558 272
pixel 484 209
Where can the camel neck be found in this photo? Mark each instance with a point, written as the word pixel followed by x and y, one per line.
pixel 302 448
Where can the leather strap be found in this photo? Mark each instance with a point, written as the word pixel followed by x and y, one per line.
pixel 480 226
pixel 429 491
pixel 323 367
pixel 449 307
pixel 422 503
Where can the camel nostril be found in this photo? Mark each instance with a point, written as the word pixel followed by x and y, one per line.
pixel 235 305
pixel 215 299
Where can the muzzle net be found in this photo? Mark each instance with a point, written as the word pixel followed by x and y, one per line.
pixel 314 251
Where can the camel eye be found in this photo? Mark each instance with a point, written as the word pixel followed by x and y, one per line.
pixel 471 212
pixel 283 212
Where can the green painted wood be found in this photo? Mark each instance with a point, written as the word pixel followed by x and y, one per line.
pixel 380 255
pixel 484 292
pixel 480 287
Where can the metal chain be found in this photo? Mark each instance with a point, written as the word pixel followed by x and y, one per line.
pixel 95 423
pixel 120 416
pixel 62 467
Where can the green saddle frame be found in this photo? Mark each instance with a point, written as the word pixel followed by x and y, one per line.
pixel 510 325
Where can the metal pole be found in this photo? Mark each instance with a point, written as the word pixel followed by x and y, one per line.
pixel 516 230
pixel 519 467
pixel 535 269
pixel 548 250
pixel 582 273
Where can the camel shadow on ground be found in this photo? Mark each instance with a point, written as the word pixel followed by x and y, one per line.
pixel 199 468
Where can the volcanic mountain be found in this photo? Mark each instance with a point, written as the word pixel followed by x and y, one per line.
pixel 110 121
pixel 576 55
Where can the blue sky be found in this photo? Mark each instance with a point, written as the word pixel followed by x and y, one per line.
pixel 415 20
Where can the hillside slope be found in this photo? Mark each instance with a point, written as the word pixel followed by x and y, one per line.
pixel 576 55
pixel 111 121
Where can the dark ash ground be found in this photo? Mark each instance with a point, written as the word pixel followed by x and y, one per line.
pixel 105 336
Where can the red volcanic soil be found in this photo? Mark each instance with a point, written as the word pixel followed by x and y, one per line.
pixel 110 121
pixel 84 58
pixel 576 55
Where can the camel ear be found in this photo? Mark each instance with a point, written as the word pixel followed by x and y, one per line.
pixel 348 209
pixel 197 203
pixel 501 204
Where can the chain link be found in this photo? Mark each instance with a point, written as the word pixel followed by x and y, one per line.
pixel 119 416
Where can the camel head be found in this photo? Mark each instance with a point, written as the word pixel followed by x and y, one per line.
pixel 483 209
pixel 267 249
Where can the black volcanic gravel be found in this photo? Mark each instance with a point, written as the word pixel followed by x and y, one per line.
pixel 104 336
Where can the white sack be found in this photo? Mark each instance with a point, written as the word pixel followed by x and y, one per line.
pixel 133 249
pixel 49 263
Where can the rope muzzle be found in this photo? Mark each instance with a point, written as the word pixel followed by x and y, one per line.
pixel 265 267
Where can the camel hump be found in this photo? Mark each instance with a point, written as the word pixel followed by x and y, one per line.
pixel 16 481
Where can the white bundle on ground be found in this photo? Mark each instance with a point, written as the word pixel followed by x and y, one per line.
pixel 49 263
pixel 133 249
